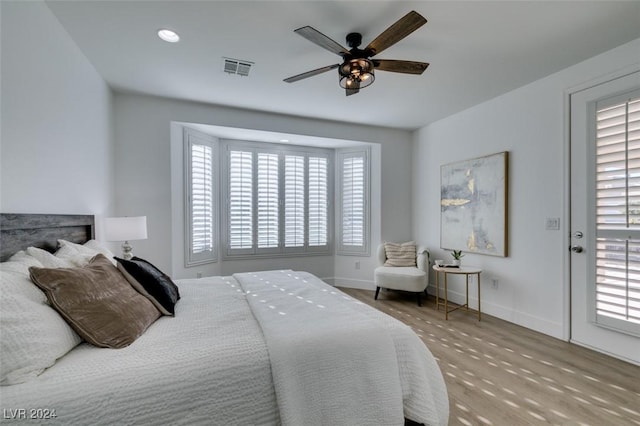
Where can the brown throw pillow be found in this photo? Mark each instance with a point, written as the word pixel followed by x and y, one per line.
pixel 97 301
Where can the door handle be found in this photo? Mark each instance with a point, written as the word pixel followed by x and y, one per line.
pixel 576 249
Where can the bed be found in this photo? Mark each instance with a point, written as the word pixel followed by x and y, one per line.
pixel 259 348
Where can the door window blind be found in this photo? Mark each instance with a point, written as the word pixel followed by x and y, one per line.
pixel 617 298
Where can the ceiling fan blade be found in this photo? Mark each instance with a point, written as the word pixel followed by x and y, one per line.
pixel 315 36
pixel 396 32
pixel 405 67
pixel 353 88
pixel 311 73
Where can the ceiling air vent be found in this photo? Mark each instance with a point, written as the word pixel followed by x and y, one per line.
pixel 237 66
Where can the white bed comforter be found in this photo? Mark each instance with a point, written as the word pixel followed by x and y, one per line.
pixel 331 364
pixel 424 394
pixel 207 365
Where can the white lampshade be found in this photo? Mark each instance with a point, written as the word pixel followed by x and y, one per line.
pixel 125 228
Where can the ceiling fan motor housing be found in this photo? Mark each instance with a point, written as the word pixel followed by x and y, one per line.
pixel 354 39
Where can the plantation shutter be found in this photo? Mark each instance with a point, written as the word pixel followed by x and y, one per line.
pixel 268 207
pixel 353 201
pixel 200 192
pixel 240 200
pixel 294 201
pixel 354 208
pixel 201 199
pixel 617 296
pixel 318 201
pixel 278 200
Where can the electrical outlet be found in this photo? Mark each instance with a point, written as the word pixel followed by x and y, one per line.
pixel 494 283
pixel 357 264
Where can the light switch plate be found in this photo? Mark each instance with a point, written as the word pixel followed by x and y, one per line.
pixel 552 224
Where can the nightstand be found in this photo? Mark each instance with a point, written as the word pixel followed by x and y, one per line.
pixel 460 270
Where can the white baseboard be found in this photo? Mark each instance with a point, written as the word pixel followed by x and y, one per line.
pixel 541 325
pixel 613 355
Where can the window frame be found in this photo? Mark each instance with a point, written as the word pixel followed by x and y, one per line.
pixel 341 155
pixel 193 137
pixel 228 145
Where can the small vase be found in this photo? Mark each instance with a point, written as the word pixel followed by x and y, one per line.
pixel 456 262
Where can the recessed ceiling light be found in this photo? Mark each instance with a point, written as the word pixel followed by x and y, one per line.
pixel 168 35
pixel 284 140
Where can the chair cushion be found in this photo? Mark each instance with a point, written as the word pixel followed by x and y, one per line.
pixel 405 278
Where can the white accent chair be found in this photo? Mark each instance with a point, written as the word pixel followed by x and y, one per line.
pixel 413 279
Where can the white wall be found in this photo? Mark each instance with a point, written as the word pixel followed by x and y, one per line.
pixel 530 123
pixel 56 125
pixel 149 152
pixel 57 144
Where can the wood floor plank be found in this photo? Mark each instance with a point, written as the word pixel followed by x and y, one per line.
pixel 498 373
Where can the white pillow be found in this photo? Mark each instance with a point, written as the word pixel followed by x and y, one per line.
pixel 48 260
pixel 34 335
pixel 93 244
pixel 83 253
pixel 21 262
pixel 69 254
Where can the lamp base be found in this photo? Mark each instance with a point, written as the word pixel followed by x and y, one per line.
pixel 127 251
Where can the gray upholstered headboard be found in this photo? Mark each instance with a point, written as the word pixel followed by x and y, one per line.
pixel 19 231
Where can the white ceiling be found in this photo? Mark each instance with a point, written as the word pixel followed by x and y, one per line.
pixel 477 50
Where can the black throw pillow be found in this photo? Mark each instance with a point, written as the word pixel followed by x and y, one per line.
pixel 151 283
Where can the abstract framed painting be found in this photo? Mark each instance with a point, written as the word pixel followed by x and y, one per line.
pixel 473 205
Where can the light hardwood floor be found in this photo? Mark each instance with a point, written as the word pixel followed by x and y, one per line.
pixel 498 373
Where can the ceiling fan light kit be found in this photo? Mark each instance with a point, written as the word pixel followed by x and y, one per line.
pixel 357 69
pixel 356 74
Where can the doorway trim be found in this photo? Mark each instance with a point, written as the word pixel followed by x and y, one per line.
pixel 566 258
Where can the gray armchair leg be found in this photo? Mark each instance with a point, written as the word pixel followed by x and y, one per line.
pixel 419 298
pixel 377 292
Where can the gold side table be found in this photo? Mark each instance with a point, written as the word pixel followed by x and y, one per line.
pixel 461 270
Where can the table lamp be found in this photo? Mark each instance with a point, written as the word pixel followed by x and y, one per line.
pixel 125 229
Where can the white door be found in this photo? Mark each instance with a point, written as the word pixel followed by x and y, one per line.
pixel 605 217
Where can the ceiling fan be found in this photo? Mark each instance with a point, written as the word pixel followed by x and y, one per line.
pixel 357 69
